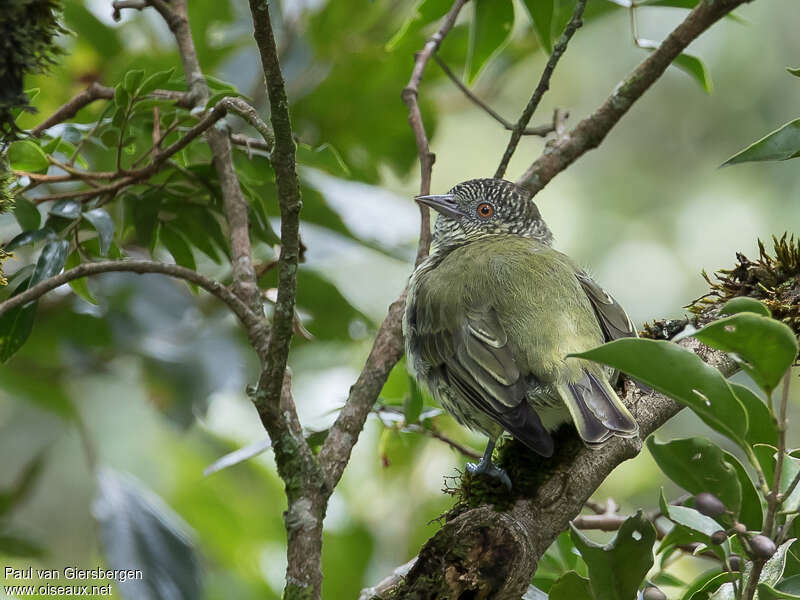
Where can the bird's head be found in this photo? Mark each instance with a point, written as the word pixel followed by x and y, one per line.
pixel 482 207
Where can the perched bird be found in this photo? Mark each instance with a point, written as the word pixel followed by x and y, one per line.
pixel 491 316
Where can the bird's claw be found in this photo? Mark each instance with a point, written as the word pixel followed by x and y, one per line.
pixel 490 470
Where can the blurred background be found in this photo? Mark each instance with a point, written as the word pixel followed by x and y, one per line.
pixel 151 381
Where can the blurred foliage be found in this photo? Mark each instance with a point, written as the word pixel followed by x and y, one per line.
pixel 146 376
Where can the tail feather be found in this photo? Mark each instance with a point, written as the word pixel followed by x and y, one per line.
pixel 597 411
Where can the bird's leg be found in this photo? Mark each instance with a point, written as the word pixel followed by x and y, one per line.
pixel 487 467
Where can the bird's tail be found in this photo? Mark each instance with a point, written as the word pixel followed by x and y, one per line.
pixel 597 411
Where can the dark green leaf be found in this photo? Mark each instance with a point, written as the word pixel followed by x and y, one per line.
pixel 15 327
pixel 761 427
pixel 176 245
pixel 781 144
pixel 324 157
pixel 699 465
pixel 155 81
pixel 132 80
pixel 790 469
pixel 121 97
pixel 412 405
pixel 25 155
pixel 680 374
pixel 81 285
pixel 705 585
pixel 28 237
pixel 104 226
pixel 763 347
pixel 689 517
pixel 790 585
pixel 50 261
pixel 26 213
pixel 67 208
pixel 745 304
pixel 795 72
pixel 571 586
pixel 491 27
pixel 14 545
pixel 751 513
pixel 139 531
pixel 767 592
pixel 423 13
pixel 12 497
pixel 144 215
pixel 541 12
pixel 617 569
pixel 696 68
pixel 218 85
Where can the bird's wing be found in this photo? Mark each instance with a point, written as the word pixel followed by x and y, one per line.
pixel 479 365
pixel 613 319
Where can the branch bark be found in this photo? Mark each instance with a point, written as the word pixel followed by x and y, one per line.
pixel 590 132
pixel 249 320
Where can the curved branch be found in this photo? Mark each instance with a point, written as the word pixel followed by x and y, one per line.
pixel 252 324
pixel 592 130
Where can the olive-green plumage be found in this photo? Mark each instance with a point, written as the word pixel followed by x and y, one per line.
pixel 492 315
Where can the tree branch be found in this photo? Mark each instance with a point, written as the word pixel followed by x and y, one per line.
pixel 411 99
pixel 251 322
pixel 541 131
pixel 544 84
pixel 590 132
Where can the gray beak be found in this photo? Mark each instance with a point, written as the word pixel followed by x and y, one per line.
pixel 442 203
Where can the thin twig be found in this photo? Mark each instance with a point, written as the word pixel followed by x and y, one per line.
pixel 540 131
pixel 411 99
pixel 544 84
pixel 436 434
pixel 245 315
pixel 591 131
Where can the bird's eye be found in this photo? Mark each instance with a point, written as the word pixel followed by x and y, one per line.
pixel 485 210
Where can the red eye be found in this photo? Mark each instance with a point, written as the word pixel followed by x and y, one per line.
pixel 485 210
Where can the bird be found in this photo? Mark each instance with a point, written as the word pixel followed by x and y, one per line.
pixel 491 316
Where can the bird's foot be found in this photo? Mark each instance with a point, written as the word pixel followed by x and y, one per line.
pixel 489 469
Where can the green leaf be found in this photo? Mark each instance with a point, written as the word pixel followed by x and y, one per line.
pixel 67 208
pixel 25 155
pixel 16 494
pixel 28 237
pixel 795 72
pixel 770 575
pixel 491 28
pixel 781 144
pixel 790 469
pixel 14 545
pixel 155 81
pixel 767 592
pixel 121 96
pixel 423 13
pixel 541 13
pixel 751 513
pixel 745 304
pixel 571 586
pixel 139 531
pixel 15 328
pixel 104 226
pixel 412 405
pixel 132 80
pixel 617 569
pixel 26 213
pixel 81 285
pixel 790 585
pixel 761 428
pixel 238 456
pixel 689 517
pixel 176 245
pixel 680 374
pixel 699 465
pixel 763 347
pixel 50 262
pixel 218 85
pixel 324 157
pixel 704 585
pixel 696 68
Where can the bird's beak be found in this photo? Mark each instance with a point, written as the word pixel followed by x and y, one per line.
pixel 442 203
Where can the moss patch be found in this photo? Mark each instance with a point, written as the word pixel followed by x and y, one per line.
pixel 773 278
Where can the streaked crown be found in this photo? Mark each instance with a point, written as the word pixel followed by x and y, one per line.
pixel 481 207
